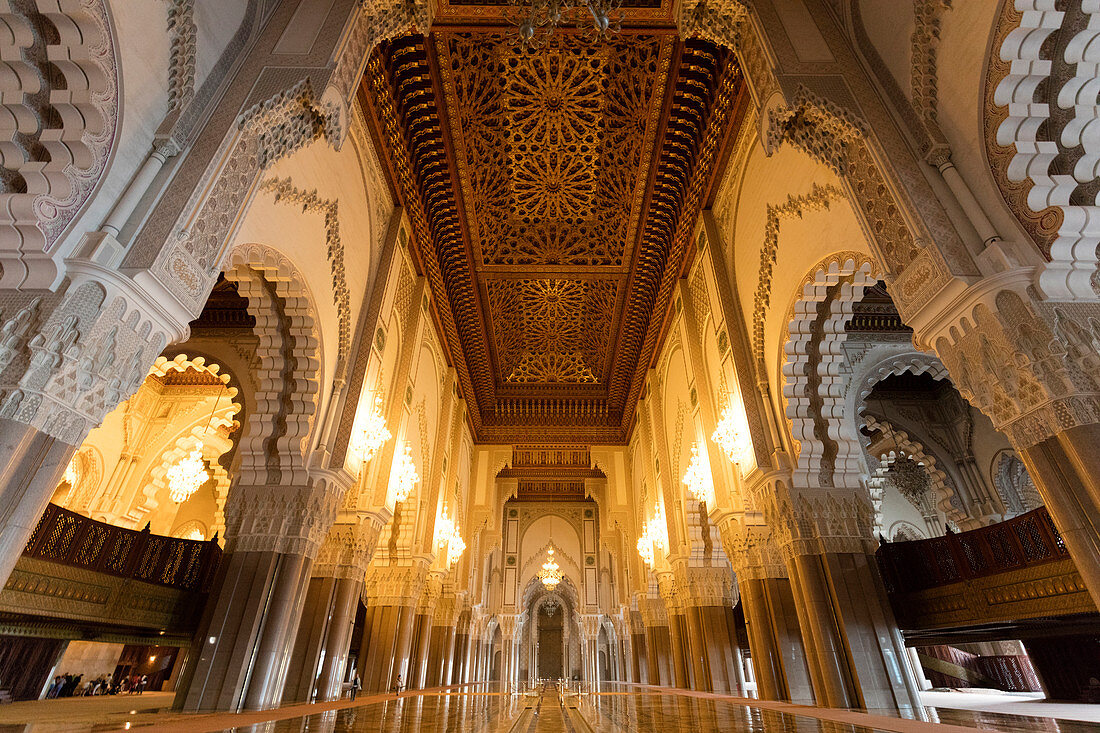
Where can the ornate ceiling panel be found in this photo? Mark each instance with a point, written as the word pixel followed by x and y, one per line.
pixel 553 193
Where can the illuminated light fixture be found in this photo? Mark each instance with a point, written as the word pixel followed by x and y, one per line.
pixel 72 471
pixel 186 476
pixel 550 575
pixel 374 432
pixel 407 477
pixel 537 20
pixel 446 533
pixel 196 535
pixel 654 537
pixel 730 438
pixel 697 478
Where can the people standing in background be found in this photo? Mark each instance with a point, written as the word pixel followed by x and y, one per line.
pixel 356 685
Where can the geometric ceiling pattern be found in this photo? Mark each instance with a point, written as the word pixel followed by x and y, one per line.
pixel 552 193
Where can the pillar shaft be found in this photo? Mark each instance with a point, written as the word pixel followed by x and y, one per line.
pixel 345 602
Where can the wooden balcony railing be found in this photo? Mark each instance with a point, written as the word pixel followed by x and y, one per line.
pixel 66 537
pixel 1024 541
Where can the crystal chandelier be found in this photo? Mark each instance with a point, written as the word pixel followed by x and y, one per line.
pixel 654 535
pixel 729 437
pixel 537 20
pixel 446 533
pixel 550 575
pixel 374 432
pixel 697 478
pixel 550 606
pixel 407 477
pixel 186 476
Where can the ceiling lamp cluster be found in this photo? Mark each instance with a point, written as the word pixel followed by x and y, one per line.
pixel 730 437
pixel 374 432
pixel 447 534
pixel 186 476
pixel 406 476
pixel 537 20
pixel 654 537
pixel 551 574
pixel 697 478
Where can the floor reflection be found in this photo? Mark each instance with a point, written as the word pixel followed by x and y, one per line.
pixel 477 713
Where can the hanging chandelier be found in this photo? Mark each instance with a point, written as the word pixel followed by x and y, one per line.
pixel 550 575
pixel 537 20
pixel 446 533
pixel 407 477
pixel 697 478
pixel 550 606
pixel 186 476
pixel 654 536
pixel 374 432
pixel 729 437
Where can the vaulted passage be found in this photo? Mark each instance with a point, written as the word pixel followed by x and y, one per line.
pixel 544 365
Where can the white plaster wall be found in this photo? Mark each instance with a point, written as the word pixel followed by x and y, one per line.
pixel 889 25
pixel 216 22
pixel 89 658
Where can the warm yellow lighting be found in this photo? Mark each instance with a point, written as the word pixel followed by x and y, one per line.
pixel 72 471
pixel 730 435
pixel 550 575
pixel 374 432
pixel 195 534
pixel 697 478
pixel 152 659
pixel 406 475
pixel 447 534
pixel 654 536
pixel 186 476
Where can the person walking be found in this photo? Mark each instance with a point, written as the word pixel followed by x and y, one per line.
pixel 356 685
pixel 398 685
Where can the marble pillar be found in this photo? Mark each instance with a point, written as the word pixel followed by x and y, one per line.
pixel 854 650
pixel 639 658
pixel 713 641
pixel 1066 471
pixel 32 464
pixel 246 632
pixel 345 603
pixel 384 646
pixel 418 653
pixel 775 641
pixel 310 640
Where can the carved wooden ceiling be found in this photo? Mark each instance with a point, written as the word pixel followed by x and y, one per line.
pixel 553 194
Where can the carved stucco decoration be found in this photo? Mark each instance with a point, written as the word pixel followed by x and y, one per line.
pixel 1016 70
pixel 288 383
pixel 284 191
pixel 810 362
pixel 61 102
pixel 67 358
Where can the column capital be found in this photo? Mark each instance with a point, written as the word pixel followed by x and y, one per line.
pixel 395 585
pixel 1031 365
pixel 285 519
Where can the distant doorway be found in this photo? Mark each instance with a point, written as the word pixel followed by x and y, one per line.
pixel 550 642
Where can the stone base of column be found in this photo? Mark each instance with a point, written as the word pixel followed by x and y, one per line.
pixel 384 647
pixel 244 638
pixel 853 645
pixel 32 464
pixel 775 641
pixel 659 655
pixel 713 637
pixel 1066 470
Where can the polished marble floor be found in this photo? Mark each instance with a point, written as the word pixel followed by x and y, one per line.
pixel 482 709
